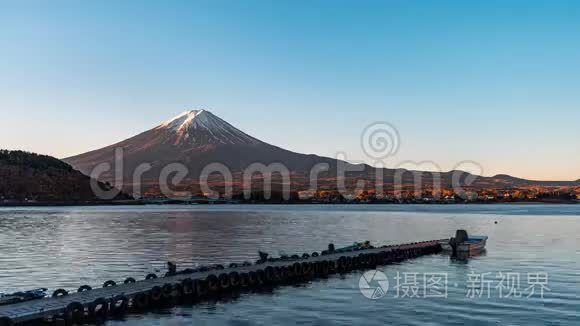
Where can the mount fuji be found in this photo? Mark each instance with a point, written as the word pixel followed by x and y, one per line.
pixel 198 138
pixel 195 139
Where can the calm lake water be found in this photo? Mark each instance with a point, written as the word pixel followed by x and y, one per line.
pixel 68 247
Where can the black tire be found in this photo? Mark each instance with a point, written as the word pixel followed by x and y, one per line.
pixel 201 288
pixel 272 276
pixel 59 293
pixel 109 283
pixel 297 269
pixel 332 267
pixel 349 262
pixel 129 280
pixel 156 293
pixel 314 254
pixel 213 284
pixel 167 290
pixel 305 256
pixel 323 269
pixel 84 288
pixel 283 275
pixel 150 276
pixel 187 285
pixel 96 313
pixel 261 276
pixel 356 262
pixel 224 281
pixel 244 280
pixel 306 269
pixel 234 279
pixel 141 301
pixel 374 260
pixel 342 264
pixel 74 313
pixel 254 278
pixel 119 305
pixel 233 265
pixel 178 290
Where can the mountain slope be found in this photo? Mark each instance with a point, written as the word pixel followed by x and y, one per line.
pixel 195 139
pixel 198 138
pixel 28 177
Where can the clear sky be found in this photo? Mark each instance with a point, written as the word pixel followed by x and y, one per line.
pixel 497 82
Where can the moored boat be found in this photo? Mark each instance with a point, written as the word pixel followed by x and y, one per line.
pixel 464 243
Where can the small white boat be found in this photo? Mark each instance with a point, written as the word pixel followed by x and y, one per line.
pixel 463 243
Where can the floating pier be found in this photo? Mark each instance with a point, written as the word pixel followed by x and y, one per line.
pixel 113 301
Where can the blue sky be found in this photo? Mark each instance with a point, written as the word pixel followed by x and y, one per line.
pixel 496 82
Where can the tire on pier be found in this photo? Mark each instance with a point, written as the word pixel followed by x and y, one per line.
pixel 167 290
pixel 286 275
pixel 201 288
pixel 260 277
pixel 254 278
pixel 272 274
pixel 59 293
pixel 342 264
pixel 323 269
pixel 306 270
pixel 119 305
pixel 234 279
pixel 349 263
pixel 141 301
pixel 356 263
pixel 129 280
pixel 372 261
pixel 213 284
pixel 178 290
pixel 244 280
pixel 188 288
pixel 99 309
pixel 156 293
pixel 109 283
pixel 314 254
pixel 150 276
pixel 332 269
pixel 224 282
pixel 74 313
pixel 84 288
pixel 297 269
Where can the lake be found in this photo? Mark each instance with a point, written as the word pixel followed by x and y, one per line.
pixel 528 275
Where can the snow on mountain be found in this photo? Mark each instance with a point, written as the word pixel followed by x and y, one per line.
pixel 202 127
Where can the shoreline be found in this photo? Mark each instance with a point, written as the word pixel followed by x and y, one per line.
pixel 141 203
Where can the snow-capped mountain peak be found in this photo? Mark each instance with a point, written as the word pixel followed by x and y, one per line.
pixel 201 127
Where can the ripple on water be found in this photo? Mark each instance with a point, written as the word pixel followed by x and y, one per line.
pixel 67 247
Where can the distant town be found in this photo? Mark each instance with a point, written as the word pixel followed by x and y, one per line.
pixel 562 195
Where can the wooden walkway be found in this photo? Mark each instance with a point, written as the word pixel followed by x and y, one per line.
pixel 49 307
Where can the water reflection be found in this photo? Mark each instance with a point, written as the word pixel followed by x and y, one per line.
pixel 67 247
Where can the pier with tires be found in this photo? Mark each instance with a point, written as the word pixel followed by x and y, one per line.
pixel 114 299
